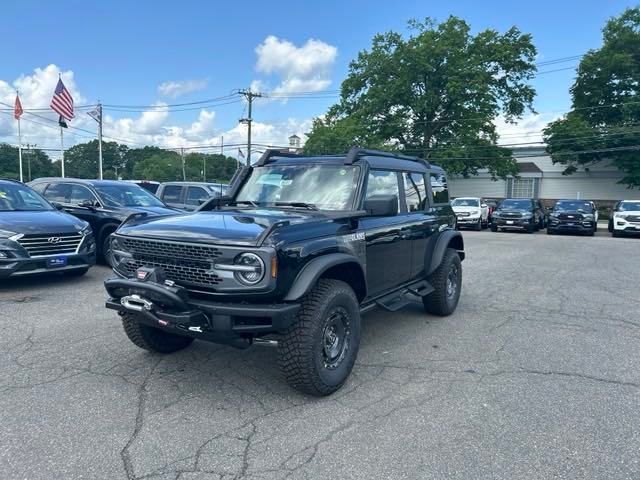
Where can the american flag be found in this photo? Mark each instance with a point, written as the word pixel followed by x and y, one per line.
pixel 62 103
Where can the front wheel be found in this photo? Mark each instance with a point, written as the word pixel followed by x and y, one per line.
pixel 494 228
pixel 318 351
pixel 447 282
pixel 152 339
pixel 107 255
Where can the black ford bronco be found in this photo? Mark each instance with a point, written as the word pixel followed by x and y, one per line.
pixel 297 251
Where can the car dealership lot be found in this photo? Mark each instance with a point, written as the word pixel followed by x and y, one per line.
pixel 536 375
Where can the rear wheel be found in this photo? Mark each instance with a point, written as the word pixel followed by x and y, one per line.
pixel 318 351
pixel 152 339
pixel 447 282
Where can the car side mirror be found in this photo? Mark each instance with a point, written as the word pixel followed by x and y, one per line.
pixel 484 205
pixel 381 205
pixel 87 204
pixel 57 205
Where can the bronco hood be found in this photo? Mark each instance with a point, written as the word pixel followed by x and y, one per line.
pixel 235 227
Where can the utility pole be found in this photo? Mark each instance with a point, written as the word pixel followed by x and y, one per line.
pixel 100 140
pixel 249 95
pixel 29 158
pixel 184 173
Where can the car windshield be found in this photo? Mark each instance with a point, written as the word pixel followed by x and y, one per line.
pixel 326 187
pixel 15 197
pixel 629 207
pixel 572 206
pixel 516 204
pixel 126 196
pixel 465 202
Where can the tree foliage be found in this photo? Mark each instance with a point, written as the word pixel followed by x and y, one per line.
pixel 40 163
pixel 604 122
pixel 435 94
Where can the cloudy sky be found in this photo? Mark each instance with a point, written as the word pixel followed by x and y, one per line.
pixel 141 59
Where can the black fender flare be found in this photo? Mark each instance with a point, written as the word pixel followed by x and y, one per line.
pixel 444 240
pixel 312 271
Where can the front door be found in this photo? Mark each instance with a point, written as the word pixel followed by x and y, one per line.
pixel 388 239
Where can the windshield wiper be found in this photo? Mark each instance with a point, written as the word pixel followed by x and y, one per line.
pixel 308 206
pixel 246 202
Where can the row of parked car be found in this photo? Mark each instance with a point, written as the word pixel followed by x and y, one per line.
pixel 64 224
pixel 566 216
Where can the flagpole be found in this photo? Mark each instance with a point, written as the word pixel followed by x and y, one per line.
pixel 100 140
pixel 62 151
pixel 20 150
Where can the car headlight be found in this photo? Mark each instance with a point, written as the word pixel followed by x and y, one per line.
pixel 621 216
pixel 496 214
pixel 248 268
pixel 587 216
pixel 9 235
pixel 86 230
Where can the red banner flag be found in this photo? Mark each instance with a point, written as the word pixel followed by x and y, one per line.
pixel 17 109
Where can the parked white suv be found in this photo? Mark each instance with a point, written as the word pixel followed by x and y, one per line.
pixel 625 218
pixel 471 212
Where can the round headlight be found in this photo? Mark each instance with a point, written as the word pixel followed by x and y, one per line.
pixel 253 270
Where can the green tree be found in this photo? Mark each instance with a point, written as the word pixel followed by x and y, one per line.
pixel 136 155
pixel 81 160
pixel 604 122
pixel 435 94
pixel 163 166
pixel 39 161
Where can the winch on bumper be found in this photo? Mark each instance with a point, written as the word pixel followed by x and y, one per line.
pixel 161 303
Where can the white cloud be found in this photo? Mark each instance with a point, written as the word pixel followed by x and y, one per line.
pixel 177 88
pixel 527 130
pixel 300 69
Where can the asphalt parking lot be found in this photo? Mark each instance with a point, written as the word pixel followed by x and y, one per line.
pixel 536 376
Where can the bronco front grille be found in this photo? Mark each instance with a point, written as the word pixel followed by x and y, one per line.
pixel 54 244
pixel 185 264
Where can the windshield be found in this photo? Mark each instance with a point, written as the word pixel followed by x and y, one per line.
pixel 326 187
pixel 516 204
pixel 15 197
pixel 572 206
pixel 629 207
pixel 465 202
pixel 126 196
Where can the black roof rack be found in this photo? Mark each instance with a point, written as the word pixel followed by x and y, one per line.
pixel 274 152
pixel 356 152
pixel 351 156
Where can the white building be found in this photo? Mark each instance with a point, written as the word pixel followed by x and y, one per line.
pixel 540 178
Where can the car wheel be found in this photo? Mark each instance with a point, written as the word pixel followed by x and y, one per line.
pixel 478 226
pixel 610 227
pixel 616 233
pixel 550 231
pixel 530 228
pixel 317 353
pixel 107 256
pixel 152 339
pixel 494 228
pixel 447 284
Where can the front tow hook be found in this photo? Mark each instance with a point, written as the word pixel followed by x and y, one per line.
pixel 136 303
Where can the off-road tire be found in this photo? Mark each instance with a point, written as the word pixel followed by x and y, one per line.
pixel 302 349
pixel 440 302
pixel 153 339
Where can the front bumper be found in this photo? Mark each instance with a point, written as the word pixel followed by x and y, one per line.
pixel 622 226
pixel 565 226
pixel 515 223
pixel 467 221
pixel 169 307
pixel 21 266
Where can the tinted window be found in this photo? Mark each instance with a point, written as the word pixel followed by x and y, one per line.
pixel 126 195
pixel 80 194
pixel 516 204
pixel 172 193
pixel 573 206
pixel 629 206
pixel 58 192
pixel 415 191
pixel 15 197
pixel 195 196
pixel 439 188
pixel 382 183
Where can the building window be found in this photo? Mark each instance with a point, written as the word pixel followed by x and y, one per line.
pixel 523 187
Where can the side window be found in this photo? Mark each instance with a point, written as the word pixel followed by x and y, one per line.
pixel 381 182
pixel 439 188
pixel 80 194
pixel 415 191
pixel 195 195
pixel 40 187
pixel 58 192
pixel 172 193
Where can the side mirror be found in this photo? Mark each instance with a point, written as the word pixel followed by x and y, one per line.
pixel 87 204
pixel 57 205
pixel 381 205
pixel 484 205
